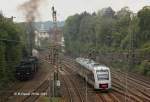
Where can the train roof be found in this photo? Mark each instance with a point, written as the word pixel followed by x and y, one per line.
pixel 101 67
pixel 90 64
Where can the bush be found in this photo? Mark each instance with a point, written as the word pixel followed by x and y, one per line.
pixel 148 73
pixel 144 67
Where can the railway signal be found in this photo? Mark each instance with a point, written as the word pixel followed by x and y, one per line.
pixel 54 56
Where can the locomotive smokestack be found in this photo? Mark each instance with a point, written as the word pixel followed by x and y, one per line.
pixel 31 11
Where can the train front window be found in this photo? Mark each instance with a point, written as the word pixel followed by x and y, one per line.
pixel 102 74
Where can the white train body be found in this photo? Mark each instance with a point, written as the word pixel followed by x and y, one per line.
pixel 95 74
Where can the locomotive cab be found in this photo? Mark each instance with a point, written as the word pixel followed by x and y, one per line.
pixel 102 78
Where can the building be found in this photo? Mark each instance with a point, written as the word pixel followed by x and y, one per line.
pixel 45 37
pixel 40 35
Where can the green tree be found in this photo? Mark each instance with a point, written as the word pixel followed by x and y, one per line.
pixel 11 46
pixel 144 24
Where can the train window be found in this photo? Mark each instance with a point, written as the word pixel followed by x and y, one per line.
pixel 102 74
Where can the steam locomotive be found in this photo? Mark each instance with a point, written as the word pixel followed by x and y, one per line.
pixel 27 67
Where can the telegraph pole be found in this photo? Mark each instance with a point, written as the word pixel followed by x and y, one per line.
pixel 130 52
pixel 132 40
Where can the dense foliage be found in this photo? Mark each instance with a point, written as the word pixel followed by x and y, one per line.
pixel 108 31
pixel 12 44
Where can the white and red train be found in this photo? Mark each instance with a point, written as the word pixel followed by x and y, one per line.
pixel 97 75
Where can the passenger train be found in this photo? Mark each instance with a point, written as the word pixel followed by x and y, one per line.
pixel 97 75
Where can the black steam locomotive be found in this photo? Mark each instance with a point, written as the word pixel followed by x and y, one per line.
pixel 27 68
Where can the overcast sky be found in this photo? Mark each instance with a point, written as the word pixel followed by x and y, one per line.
pixel 66 8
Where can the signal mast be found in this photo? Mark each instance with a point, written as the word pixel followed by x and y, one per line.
pixel 55 54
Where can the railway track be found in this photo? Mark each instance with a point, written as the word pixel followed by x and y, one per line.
pixel 136 95
pixel 139 81
pixel 101 98
pixel 8 95
pixel 68 89
pixel 31 87
pixel 141 78
pixel 127 96
pixel 113 97
pixel 4 97
pixel 71 80
pixel 37 93
pixel 133 94
pixel 138 89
